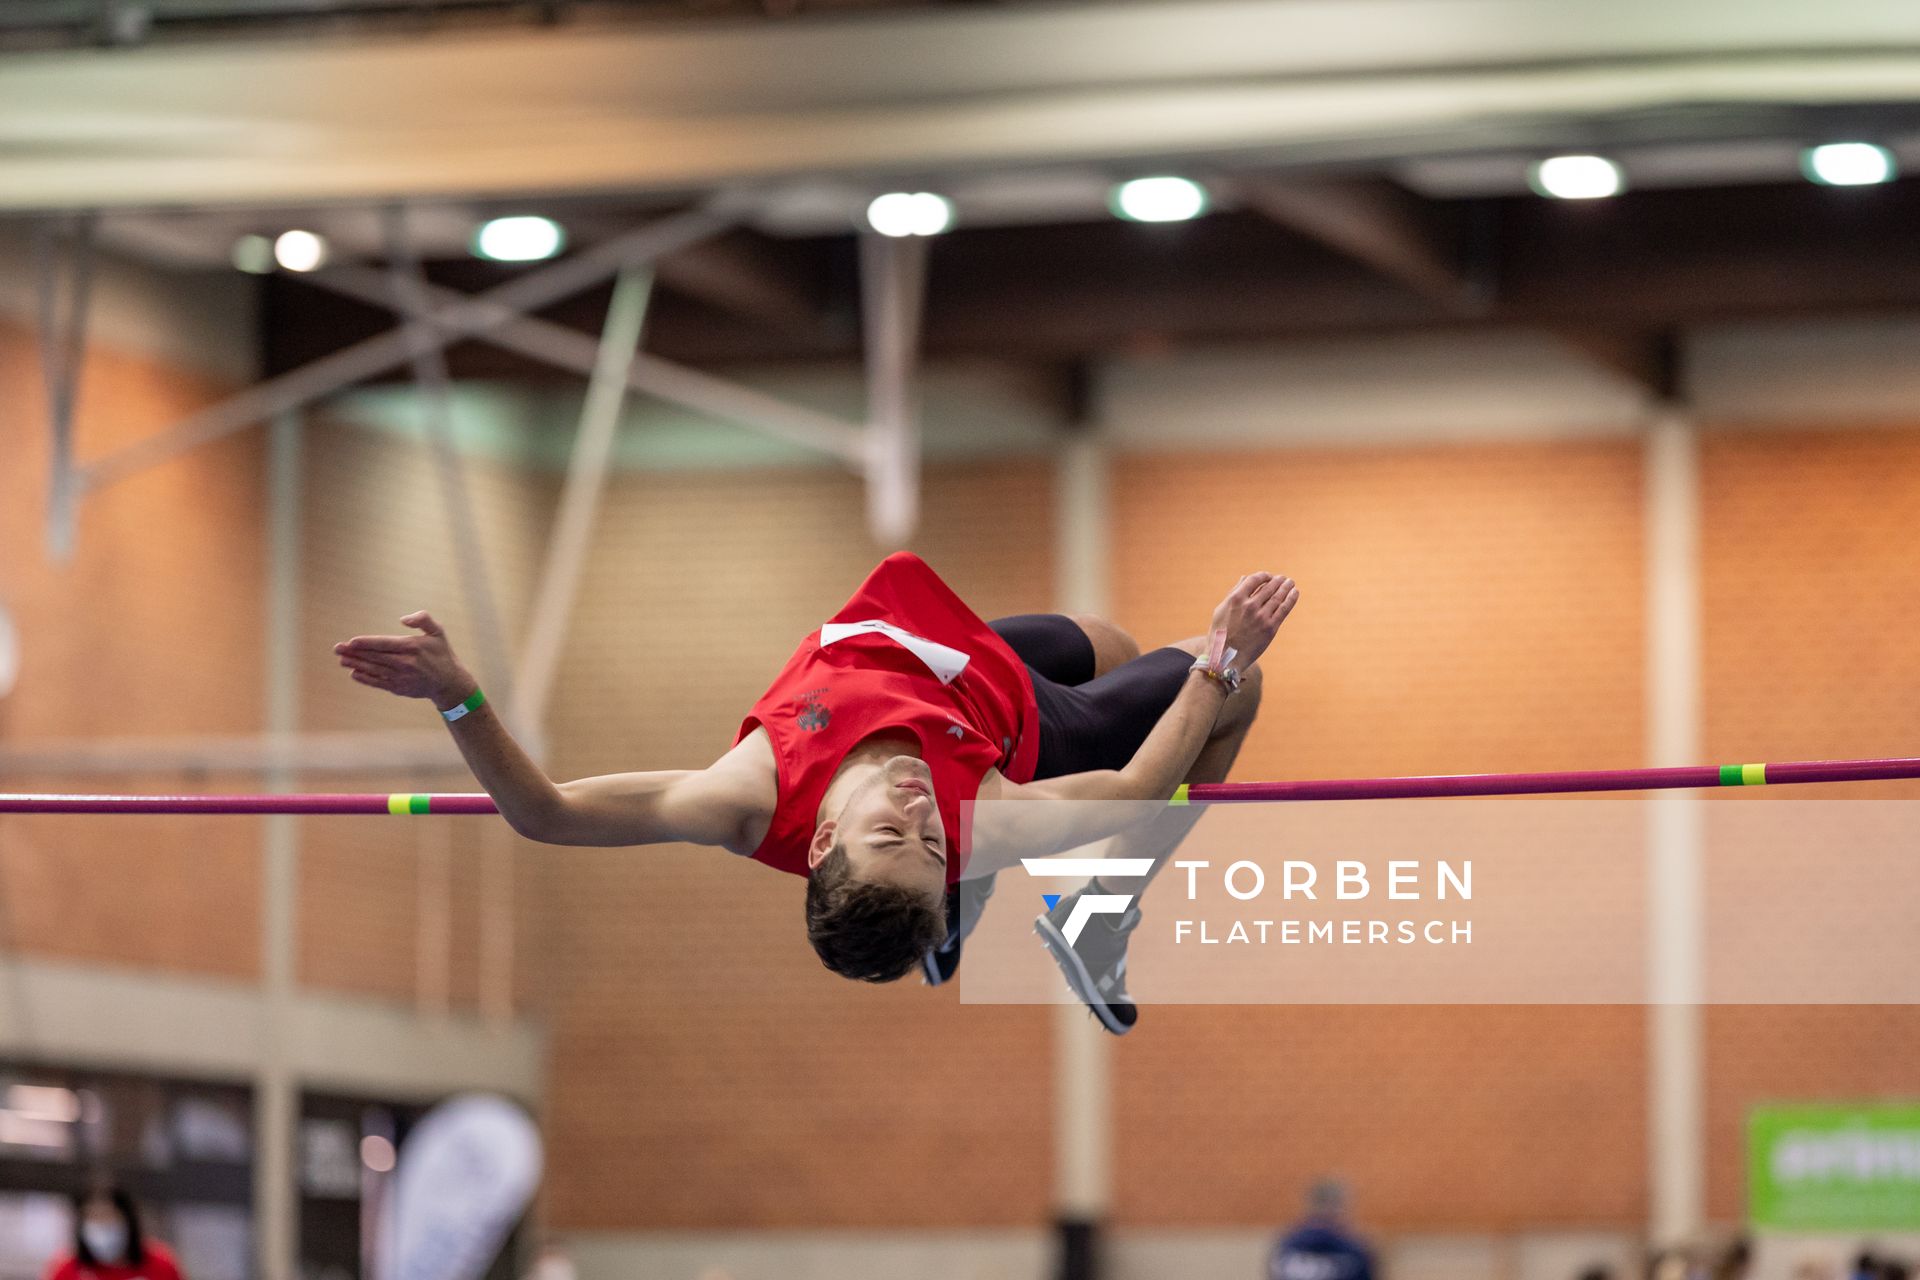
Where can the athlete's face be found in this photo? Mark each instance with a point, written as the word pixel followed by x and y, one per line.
pixel 891 828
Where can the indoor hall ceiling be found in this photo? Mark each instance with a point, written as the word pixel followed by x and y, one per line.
pixel 1368 162
pixel 54 24
pixel 925 94
pixel 1616 278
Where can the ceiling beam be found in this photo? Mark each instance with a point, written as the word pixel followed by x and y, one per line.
pixel 1650 361
pixel 1603 276
pixel 1376 223
pixel 744 276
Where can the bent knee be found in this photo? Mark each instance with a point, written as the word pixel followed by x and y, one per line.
pixel 1112 647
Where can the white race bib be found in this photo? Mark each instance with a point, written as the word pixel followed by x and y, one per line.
pixel 945 662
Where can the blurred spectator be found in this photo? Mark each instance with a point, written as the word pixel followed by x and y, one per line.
pixel 1895 1269
pixel 1671 1264
pixel 553 1262
pixel 108 1243
pixel 1736 1262
pixel 1814 1268
pixel 1321 1246
pixel 1598 1271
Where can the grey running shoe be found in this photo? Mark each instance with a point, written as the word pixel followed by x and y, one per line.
pixel 964 902
pixel 1095 964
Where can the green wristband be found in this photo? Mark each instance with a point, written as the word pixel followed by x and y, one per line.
pixel 474 702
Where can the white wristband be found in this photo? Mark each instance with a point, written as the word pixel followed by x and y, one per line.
pixel 474 702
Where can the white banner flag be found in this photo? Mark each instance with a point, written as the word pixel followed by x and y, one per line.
pixel 465 1175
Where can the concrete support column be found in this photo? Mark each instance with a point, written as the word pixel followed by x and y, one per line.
pixel 1083 1116
pixel 1676 1126
pixel 276 1095
pixel 1083 1103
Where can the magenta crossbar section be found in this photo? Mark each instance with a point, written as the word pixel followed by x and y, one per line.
pixel 1522 784
pixel 291 804
pixel 1466 784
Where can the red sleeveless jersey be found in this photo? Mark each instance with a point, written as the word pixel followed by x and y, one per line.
pixel 904 653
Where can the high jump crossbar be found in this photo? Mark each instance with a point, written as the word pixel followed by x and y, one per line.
pixel 1466 784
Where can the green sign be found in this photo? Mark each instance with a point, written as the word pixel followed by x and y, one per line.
pixel 1834 1167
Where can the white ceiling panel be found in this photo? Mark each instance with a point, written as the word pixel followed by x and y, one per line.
pixel 918 94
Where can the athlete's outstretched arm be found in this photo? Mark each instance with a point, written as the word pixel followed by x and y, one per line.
pixel 699 806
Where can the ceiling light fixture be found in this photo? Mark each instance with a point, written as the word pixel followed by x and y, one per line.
pixel 300 251
pixel 1848 164
pixel 1162 199
pixel 1578 178
pixel 910 213
pixel 522 238
pixel 253 255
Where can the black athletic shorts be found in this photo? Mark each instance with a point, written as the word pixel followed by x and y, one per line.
pixel 1087 723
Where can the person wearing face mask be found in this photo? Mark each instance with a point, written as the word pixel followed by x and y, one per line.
pixel 108 1243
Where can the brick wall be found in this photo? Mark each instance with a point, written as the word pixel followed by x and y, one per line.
pixel 1466 608
pixel 1463 609
pixel 377 543
pixel 151 630
pixel 1811 602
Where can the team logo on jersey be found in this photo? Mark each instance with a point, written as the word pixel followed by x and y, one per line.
pixel 813 713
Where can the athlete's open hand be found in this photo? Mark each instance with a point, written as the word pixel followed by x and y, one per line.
pixel 419 666
pixel 1252 613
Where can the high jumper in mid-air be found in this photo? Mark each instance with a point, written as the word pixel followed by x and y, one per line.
pixel 854 768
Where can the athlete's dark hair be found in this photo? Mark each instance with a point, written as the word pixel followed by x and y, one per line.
pixel 873 932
